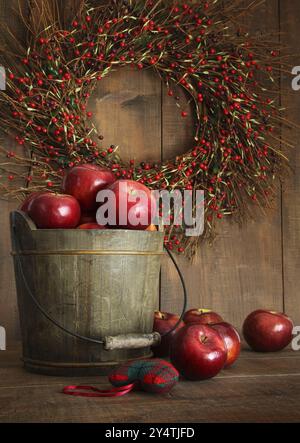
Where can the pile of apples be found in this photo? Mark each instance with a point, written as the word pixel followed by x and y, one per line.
pixel 203 344
pixel 76 205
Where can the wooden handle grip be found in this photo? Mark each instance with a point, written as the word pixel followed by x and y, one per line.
pixel 131 341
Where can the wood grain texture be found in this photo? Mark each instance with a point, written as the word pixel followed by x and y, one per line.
pixel 9 317
pixel 242 271
pixel 265 389
pixel 290 16
pixel 127 112
pixel 68 9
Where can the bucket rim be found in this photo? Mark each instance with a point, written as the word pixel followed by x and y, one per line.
pixel 32 227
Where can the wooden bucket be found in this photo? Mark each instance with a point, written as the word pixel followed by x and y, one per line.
pixel 95 283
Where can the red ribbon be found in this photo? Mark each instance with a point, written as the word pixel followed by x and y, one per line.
pixel 91 391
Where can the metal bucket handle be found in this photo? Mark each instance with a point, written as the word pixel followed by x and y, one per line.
pixel 126 341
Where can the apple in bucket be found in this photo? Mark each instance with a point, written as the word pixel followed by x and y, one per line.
pixel 132 206
pixel 152 228
pixel 26 204
pixel 84 182
pixel 87 217
pixel 91 226
pixel 55 211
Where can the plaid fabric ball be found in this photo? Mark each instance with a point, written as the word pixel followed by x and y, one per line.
pixel 151 375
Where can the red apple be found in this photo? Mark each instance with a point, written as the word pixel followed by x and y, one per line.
pixel 55 211
pixel 268 331
pixel 163 323
pixel 202 316
pixel 91 226
pixel 84 182
pixel 129 203
pixel 231 339
pixel 25 206
pixel 198 352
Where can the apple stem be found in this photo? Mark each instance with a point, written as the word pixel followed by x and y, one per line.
pixel 161 315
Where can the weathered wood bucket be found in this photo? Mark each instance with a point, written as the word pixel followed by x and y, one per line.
pixel 94 283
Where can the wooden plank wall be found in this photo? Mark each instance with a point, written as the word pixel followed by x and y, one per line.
pixel 290 24
pixel 8 303
pixel 242 270
pixel 246 268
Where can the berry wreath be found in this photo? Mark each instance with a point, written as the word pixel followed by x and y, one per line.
pixel 230 77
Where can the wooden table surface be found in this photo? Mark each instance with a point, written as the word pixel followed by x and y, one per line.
pixel 259 388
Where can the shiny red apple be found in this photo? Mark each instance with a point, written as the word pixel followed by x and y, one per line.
pixel 91 226
pixel 55 211
pixel 202 316
pixel 163 323
pixel 198 352
pixel 268 331
pixel 25 205
pixel 84 182
pixel 231 339
pixel 134 204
